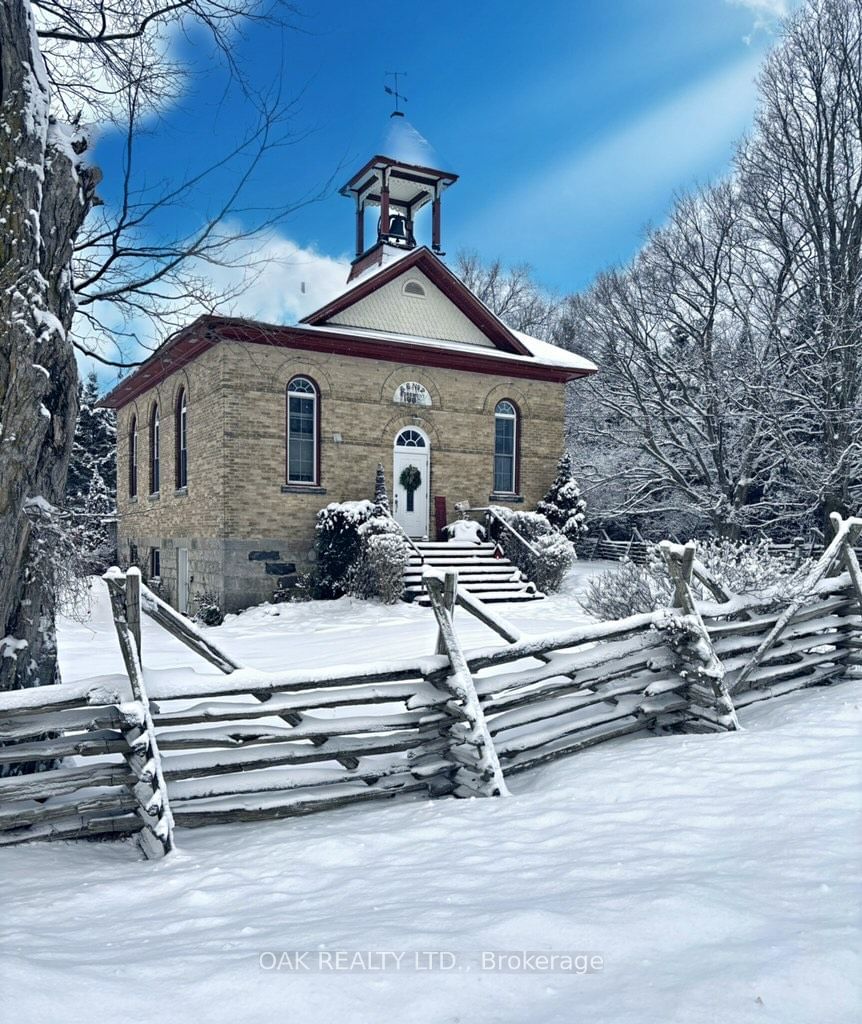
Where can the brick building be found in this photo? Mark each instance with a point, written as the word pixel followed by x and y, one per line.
pixel 235 433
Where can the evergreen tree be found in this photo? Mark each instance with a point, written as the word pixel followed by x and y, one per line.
pixel 381 498
pixel 91 488
pixel 563 505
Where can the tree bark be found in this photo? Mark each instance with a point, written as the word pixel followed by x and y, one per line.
pixel 44 196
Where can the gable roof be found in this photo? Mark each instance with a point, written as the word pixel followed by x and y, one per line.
pixel 452 287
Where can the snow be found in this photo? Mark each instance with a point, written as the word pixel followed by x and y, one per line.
pixel 464 531
pixel 407 145
pixel 716 876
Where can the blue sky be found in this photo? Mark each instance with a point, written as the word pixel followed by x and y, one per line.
pixel 571 123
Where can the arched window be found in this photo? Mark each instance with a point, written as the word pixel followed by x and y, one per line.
pixel 505 448
pixel 181 415
pixel 303 410
pixel 154 450
pixel 415 289
pixel 133 457
pixel 410 438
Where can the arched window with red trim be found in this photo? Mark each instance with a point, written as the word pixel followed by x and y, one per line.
pixel 155 444
pixel 505 448
pixel 133 457
pixel 303 431
pixel 181 436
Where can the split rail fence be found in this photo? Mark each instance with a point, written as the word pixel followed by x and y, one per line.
pixel 249 745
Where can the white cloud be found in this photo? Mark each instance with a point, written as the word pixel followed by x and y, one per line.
pixel 285 282
pixel 269 277
pixel 767 14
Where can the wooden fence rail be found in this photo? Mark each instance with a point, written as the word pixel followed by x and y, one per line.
pixel 248 745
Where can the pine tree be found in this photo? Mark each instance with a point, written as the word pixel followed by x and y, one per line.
pixel 91 488
pixel 563 505
pixel 381 498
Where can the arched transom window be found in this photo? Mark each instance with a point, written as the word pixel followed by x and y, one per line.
pixel 410 438
pixel 181 433
pixel 415 289
pixel 133 457
pixel 155 444
pixel 302 431
pixel 505 448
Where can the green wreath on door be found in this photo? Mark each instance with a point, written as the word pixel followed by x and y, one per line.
pixel 410 480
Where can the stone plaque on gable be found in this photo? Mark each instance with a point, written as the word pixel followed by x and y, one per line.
pixel 412 393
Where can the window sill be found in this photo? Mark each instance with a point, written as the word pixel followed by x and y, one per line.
pixel 132 499
pixel 155 496
pixel 302 489
pixel 506 499
pixel 181 492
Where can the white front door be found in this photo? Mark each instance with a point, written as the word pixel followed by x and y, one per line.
pixel 182 580
pixel 411 472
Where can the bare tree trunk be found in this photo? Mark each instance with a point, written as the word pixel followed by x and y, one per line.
pixel 44 197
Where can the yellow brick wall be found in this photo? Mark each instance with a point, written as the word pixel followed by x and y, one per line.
pixel 236 461
pixel 357 403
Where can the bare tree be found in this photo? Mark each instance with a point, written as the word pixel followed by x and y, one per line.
pixel 62 65
pixel 511 293
pixel 672 348
pixel 731 349
pixel 801 182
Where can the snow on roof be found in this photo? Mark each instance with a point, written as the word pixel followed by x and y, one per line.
pixel 544 351
pixel 403 143
pixel 390 254
pixel 540 351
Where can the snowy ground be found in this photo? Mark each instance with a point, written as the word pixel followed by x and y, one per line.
pixel 716 876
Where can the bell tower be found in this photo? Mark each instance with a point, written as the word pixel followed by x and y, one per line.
pixel 400 181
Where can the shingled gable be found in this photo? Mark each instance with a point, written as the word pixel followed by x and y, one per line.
pixel 422 259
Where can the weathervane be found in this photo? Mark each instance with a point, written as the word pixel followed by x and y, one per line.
pixel 395 93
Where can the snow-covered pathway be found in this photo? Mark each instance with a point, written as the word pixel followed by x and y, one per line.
pixel 715 875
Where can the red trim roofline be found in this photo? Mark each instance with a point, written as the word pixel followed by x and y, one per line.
pixel 208 331
pixel 452 287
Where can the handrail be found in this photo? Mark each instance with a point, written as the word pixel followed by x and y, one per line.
pixel 409 540
pixel 495 515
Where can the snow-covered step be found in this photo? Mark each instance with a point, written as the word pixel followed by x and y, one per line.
pixel 480 572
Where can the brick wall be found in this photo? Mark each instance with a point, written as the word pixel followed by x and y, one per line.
pixel 236 492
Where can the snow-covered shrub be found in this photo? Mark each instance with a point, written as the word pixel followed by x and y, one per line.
pixel 563 506
pixel 738 567
pixel 751 568
pixel 381 498
pixel 297 588
pixel 627 590
pixel 552 555
pixel 208 609
pixel 337 542
pixel 383 556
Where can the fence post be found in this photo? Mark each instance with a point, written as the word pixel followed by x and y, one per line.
pixel 845 530
pixel 133 604
pixel 157 823
pixel 476 768
pixel 450 590
pixel 710 704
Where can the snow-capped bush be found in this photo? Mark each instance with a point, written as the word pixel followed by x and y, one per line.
pixel 337 544
pixel 751 568
pixel 208 609
pixel 563 506
pixel 552 555
pixel 738 567
pixel 297 588
pixel 383 557
pixel 627 590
